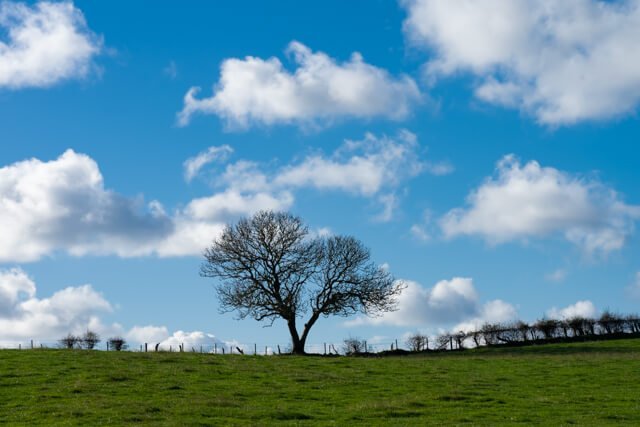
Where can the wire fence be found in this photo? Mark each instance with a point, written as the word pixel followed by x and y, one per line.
pixel 221 348
pixel 608 326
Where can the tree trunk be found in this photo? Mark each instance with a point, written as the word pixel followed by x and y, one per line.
pixel 298 342
pixel 297 345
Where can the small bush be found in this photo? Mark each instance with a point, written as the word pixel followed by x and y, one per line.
pixel 354 346
pixel 90 339
pixel 418 342
pixel 117 343
pixel 70 341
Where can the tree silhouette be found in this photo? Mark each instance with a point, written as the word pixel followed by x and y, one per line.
pixel 269 267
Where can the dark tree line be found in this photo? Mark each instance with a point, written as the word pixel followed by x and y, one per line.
pixel 543 330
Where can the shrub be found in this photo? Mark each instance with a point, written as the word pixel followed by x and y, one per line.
pixel 547 327
pixel 354 346
pixel 70 341
pixel 117 343
pixel 90 339
pixel 418 342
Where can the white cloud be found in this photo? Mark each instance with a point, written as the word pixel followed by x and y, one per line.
pixel 44 44
pixel 62 205
pixel 448 302
pixel 374 167
pixel 389 203
pixel 439 169
pixel 14 285
pixel 557 275
pixel 532 201
pixel 362 167
pixel 204 218
pixel 147 334
pixel 254 90
pixel 422 231
pixel 193 165
pixel 191 340
pixel 23 316
pixel 496 311
pixel 561 61
pixel 581 308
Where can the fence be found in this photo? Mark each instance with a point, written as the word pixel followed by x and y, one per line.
pixel 259 349
pixel 608 326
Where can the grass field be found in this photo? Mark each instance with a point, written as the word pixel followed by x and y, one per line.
pixel 594 383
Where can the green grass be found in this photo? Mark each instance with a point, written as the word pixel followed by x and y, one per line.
pixel 587 383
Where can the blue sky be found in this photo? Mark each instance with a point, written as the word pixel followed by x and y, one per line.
pixel 491 161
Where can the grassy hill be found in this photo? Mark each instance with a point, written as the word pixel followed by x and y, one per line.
pixel 595 383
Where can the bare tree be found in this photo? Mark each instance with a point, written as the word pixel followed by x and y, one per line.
pixel 442 341
pixel 578 325
pixel 354 346
pixel 611 323
pixel 490 333
pixel 547 327
pixel 633 323
pixel 90 339
pixel 70 341
pixel 417 342
pixel 523 329
pixel 270 268
pixel 117 343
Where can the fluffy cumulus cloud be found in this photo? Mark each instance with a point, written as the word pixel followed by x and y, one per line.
pixel 561 61
pixel 62 205
pixel 365 167
pixel 75 309
pixel 374 167
pixel 204 218
pixel 448 302
pixel 496 311
pixel 43 44
pixel 525 201
pixel 24 316
pixel 579 309
pixel 319 90
pixel 147 334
